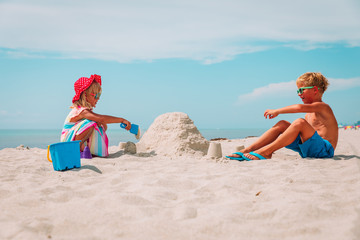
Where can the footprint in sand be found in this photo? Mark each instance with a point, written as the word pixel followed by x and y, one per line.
pixel 184 212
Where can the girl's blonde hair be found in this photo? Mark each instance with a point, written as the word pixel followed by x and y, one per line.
pixel 94 88
pixel 314 79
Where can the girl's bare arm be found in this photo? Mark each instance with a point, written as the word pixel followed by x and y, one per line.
pixel 102 119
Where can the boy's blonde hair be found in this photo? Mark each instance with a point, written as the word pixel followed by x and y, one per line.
pixel 314 79
pixel 94 88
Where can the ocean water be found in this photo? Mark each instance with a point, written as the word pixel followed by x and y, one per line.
pixel 11 138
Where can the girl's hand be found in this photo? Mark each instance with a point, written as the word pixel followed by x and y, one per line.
pixel 270 113
pixel 127 123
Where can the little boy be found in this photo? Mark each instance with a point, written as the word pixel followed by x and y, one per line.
pixel 315 136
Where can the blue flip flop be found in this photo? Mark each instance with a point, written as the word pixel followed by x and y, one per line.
pixel 254 154
pixel 237 158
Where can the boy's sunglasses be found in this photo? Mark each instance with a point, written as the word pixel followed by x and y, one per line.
pixel 301 90
pixel 96 96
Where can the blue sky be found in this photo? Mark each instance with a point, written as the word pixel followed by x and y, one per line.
pixel 221 62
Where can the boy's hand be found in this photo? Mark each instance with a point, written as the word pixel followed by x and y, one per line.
pixel 270 113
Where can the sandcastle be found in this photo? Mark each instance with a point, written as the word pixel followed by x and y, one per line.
pixel 173 134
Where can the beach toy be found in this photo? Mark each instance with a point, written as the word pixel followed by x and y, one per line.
pixel 86 153
pixel 239 148
pixel 214 150
pixel 64 155
pixel 134 129
pixel 130 147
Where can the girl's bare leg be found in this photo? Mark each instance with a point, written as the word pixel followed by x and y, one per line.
pixel 84 136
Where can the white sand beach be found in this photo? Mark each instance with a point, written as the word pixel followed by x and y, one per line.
pixel 157 196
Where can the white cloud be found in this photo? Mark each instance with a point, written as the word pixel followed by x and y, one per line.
pixel 5 113
pixel 272 90
pixel 337 84
pixel 208 31
pixel 286 89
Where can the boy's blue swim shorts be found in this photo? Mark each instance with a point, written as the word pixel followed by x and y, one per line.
pixel 314 147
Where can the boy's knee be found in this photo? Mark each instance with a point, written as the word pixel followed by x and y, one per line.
pixel 282 125
pixel 300 122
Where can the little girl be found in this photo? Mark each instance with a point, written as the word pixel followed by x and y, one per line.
pixel 85 125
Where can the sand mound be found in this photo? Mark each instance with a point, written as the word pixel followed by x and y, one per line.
pixel 173 134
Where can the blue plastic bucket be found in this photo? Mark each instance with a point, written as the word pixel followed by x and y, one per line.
pixel 64 155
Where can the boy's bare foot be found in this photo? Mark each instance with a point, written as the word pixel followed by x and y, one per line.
pixel 257 155
pixel 237 155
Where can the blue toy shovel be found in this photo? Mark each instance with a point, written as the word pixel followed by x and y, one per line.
pixel 134 129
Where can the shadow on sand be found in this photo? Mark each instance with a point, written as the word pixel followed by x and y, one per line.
pixel 345 157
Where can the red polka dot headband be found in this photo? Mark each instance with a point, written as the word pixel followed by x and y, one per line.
pixel 83 83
